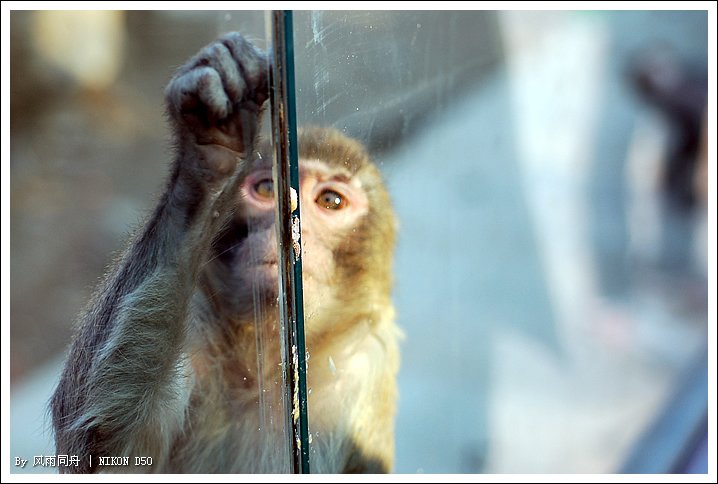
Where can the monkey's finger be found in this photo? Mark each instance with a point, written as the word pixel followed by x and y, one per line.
pixel 218 57
pixel 199 88
pixel 252 63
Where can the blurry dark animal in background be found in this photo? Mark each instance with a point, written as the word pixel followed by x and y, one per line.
pixel 680 92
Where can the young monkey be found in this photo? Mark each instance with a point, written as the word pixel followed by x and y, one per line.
pixel 165 365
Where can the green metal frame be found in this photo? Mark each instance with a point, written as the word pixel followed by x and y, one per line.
pixel 286 168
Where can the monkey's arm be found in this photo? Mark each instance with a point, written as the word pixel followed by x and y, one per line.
pixel 125 386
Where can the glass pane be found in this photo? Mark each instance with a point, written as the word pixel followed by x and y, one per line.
pixel 90 159
pixel 551 286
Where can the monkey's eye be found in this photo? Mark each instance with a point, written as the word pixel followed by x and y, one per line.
pixel 330 200
pixel 265 188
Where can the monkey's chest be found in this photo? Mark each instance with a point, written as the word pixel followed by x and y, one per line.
pixel 232 436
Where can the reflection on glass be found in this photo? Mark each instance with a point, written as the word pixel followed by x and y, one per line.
pixel 266 447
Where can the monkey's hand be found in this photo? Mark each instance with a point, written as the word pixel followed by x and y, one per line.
pixel 215 103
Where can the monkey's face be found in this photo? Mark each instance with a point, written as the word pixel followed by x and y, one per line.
pixel 347 233
pixel 244 258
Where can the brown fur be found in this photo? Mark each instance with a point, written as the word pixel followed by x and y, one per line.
pixel 177 355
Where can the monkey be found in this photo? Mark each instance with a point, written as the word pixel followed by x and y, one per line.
pixel 679 91
pixel 164 365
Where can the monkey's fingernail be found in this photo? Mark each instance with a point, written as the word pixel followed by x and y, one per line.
pixel 293 198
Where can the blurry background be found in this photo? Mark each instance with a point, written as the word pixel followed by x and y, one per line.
pixel 549 170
